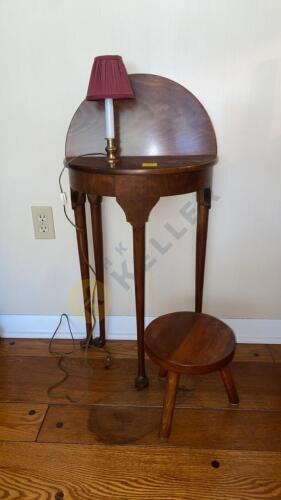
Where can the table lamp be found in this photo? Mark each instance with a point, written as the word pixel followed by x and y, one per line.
pixel 109 80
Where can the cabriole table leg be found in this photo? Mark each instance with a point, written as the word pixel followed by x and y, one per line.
pixel 78 205
pixel 203 206
pixel 141 380
pixel 96 215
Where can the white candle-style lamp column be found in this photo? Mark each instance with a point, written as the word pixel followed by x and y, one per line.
pixel 110 131
pixel 109 80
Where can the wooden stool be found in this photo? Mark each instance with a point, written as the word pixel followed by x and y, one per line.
pixel 188 342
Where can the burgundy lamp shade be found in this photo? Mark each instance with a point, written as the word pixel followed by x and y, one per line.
pixel 109 79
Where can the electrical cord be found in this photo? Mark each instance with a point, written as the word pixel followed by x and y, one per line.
pixel 62 355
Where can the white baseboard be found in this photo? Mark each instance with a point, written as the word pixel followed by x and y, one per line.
pixel 259 331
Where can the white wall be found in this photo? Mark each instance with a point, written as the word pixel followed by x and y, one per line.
pixel 227 52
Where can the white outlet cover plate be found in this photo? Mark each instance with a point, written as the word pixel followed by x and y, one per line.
pixel 43 223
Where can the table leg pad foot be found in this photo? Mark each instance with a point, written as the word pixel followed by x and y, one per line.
pixel 98 342
pixel 141 382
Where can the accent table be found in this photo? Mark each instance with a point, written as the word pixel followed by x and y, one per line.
pixel 165 118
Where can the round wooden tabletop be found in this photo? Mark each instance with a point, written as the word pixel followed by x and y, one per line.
pixel 189 342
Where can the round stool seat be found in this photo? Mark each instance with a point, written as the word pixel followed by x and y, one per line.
pixel 189 342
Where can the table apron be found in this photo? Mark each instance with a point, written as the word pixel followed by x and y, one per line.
pixel 139 185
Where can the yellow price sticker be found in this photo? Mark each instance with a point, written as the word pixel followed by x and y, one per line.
pixel 149 164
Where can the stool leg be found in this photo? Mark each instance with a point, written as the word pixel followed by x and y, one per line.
pixel 229 385
pixel 169 404
pixel 162 372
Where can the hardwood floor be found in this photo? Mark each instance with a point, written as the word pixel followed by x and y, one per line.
pixel 105 444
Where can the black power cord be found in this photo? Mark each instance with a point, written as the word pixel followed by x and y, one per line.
pixel 62 355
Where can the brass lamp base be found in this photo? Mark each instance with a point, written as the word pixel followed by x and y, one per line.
pixel 111 150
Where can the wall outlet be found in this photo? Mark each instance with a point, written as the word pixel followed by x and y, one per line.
pixel 43 223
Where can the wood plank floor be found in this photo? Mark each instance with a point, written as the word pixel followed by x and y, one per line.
pixel 95 436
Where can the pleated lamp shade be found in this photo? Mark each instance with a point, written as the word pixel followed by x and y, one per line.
pixel 109 79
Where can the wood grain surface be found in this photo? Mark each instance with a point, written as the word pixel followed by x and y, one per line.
pixel 200 343
pixel 40 348
pixel 275 352
pixel 20 421
pixel 36 470
pixel 259 353
pixel 194 428
pixel 258 384
pixel 165 119
pixel 108 447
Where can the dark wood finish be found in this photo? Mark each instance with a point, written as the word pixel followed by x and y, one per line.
pixel 96 215
pixel 78 205
pixel 93 175
pixel 137 198
pixel 133 166
pixel 229 385
pixel 139 263
pixel 165 124
pixel 163 372
pixel 187 342
pixel 203 206
pixel 165 119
